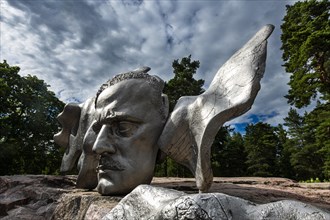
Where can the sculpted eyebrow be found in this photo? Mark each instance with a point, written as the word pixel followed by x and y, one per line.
pixel 118 117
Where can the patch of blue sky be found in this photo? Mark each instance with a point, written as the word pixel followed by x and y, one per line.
pixel 253 119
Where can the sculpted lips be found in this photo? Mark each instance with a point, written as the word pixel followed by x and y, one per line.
pixel 107 163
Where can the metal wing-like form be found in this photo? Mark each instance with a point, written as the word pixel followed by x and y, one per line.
pixel 192 126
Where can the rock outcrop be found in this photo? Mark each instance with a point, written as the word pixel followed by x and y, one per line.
pixel 55 197
pixel 84 205
pixel 30 196
pixel 39 197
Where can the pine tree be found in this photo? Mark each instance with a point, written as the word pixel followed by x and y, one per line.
pixel 228 155
pixel 318 128
pixel 306 159
pixel 261 145
pixel 306 51
pixel 285 168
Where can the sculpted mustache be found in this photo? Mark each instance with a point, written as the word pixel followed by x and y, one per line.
pixel 107 162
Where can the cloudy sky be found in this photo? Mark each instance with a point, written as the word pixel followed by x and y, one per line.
pixel 76 45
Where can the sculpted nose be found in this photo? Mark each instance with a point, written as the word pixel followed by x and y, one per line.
pixel 103 143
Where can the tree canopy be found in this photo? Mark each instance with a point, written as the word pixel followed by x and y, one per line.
pixel 306 51
pixel 261 146
pixel 228 155
pixel 183 82
pixel 28 122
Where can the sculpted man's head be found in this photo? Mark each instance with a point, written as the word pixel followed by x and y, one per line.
pixel 130 113
pixel 121 130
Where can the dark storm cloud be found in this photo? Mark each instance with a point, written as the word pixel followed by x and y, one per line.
pixel 65 19
pixel 75 46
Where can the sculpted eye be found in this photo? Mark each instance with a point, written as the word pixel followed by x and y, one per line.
pixel 125 128
pixel 96 127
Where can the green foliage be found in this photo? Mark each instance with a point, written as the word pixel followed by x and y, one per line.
pixel 306 159
pixel 311 180
pixel 28 113
pixel 285 168
pixel 183 82
pixel 306 51
pixel 261 146
pixel 228 156
pixel 318 128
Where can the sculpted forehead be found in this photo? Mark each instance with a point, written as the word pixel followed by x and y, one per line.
pixel 133 96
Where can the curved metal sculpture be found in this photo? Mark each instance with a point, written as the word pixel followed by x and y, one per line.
pixel 190 130
pixel 186 135
pixel 150 202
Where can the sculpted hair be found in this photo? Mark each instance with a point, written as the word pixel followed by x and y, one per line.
pixel 155 83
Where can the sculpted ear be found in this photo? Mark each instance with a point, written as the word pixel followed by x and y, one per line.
pixel 191 128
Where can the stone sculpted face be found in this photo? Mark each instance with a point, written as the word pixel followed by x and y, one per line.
pixel 128 124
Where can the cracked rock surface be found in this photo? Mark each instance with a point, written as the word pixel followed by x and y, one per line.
pixel 55 197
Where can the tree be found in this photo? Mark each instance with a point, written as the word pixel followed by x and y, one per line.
pixel 27 123
pixel 306 51
pixel 228 157
pixel 318 128
pixel 285 168
pixel 305 159
pixel 295 124
pixel 261 145
pixel 182 84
